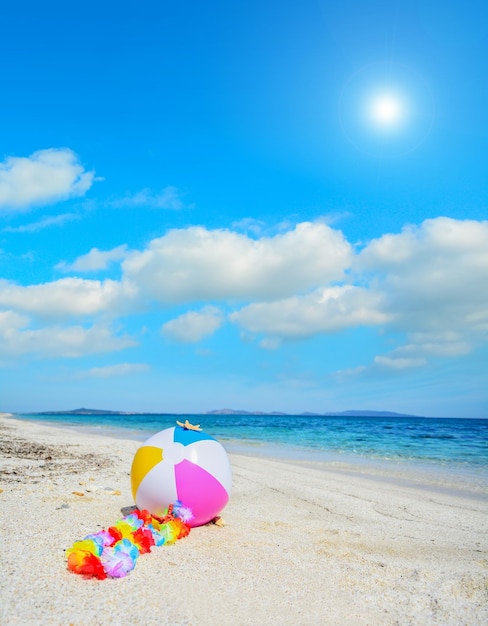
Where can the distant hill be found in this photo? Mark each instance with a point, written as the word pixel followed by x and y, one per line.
pixel 355 413
pixel 83 412
pixel 241 412
pixel 369 414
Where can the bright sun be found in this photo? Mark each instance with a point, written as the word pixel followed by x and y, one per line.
pixel 386 110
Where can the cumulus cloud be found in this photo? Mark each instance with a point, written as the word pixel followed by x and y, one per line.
pixel 16 339
pixel 194 325
pixel 44 177
pixel 433 278
pixel 425 284
pixel 68 297
pixel 167 198
pixel 95 260
pixel 198 264
pixel 325 310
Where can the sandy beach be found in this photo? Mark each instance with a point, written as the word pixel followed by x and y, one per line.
pixel 300 545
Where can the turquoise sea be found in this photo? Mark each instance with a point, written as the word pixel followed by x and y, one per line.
pixel 460 445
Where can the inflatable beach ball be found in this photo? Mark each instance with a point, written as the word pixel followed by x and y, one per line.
pixel 182 463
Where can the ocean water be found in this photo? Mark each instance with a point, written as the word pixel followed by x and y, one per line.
pixel 457 444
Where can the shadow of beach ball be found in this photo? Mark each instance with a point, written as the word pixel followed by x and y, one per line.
pixel 186 465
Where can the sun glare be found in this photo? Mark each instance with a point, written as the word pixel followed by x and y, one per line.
pixel 386 110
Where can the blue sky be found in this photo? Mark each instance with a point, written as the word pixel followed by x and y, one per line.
pixel 273 205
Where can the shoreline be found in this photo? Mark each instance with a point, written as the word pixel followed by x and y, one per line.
pixel 302 545
pixel 464 481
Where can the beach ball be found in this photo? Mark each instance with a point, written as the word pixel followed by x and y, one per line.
pixel 182 463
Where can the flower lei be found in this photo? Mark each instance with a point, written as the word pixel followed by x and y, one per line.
pixel 114 552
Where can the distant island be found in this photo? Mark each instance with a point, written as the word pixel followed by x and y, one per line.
pixel 370 414
pixel 353 413
pixel 79 412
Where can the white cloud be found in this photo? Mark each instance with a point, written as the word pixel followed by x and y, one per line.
pixel 46 222
pixel 396 364
pixel 270 343
pixel 167 198
pixel 335 217
pixel 95 260
pixel 44 177
pixel 434 344
pixel 16 339
pixel 68 297
pixel 110 371
pixel 325 310
pixel 194 325
pixel 434 278
pixel 249 225
pixel 427 283
pixel 382 365
pixel 434 284
pixel 199 264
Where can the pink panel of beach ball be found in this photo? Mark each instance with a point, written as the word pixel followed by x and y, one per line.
pixel 205 493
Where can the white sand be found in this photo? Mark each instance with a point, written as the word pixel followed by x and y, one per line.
pixel 301 545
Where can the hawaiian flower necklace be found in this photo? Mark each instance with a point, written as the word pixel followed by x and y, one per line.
pixel 114 552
